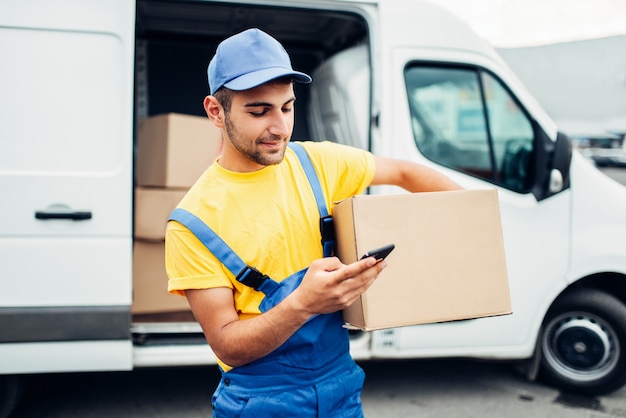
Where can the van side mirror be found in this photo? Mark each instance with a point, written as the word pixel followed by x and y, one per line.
pixel 561 160
pixel 552 164
pixel 556 181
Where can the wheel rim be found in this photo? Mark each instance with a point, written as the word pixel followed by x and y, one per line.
pixel 580 346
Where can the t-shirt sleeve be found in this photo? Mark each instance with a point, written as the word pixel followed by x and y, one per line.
pixel 345 171
pixel 189 264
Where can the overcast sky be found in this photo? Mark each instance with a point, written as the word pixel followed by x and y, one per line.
pixel 513 23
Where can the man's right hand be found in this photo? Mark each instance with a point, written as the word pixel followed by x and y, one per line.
pixel 329 285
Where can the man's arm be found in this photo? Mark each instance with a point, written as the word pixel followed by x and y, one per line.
pixel 410 176
pixel 328 286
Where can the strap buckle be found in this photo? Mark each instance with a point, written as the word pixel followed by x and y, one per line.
pixel 251 277
pixel 327 228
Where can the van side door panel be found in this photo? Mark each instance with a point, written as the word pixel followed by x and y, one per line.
pixel 465 121
pixel 66 175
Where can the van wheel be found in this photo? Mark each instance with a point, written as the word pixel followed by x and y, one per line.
pixel 583 342
pixel 10 393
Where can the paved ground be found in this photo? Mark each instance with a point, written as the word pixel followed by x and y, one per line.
pixel 417 388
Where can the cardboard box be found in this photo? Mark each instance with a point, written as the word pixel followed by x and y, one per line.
pixel 173 150
pixel 153 207
pixel 150 281
pixel 448 264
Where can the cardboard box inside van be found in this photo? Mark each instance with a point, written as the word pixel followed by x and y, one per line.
pixel 153 207
pixel 448 264
pixel 173 152
pixel 150 293
pixel 175 149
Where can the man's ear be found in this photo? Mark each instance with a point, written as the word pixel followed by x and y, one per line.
pixel 214 111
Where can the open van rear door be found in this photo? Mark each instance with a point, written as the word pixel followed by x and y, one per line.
pixel 66 179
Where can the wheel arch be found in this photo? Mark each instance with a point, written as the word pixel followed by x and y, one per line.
pixel 609 282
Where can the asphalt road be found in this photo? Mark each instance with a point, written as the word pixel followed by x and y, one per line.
pixel 417 388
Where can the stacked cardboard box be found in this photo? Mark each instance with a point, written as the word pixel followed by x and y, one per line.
pixel 173 150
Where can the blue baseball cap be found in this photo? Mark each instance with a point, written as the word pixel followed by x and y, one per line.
pixel 249 59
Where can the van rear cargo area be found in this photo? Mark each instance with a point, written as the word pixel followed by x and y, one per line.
pixel 174 43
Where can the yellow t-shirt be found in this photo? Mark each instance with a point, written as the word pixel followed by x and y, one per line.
pixel 268 217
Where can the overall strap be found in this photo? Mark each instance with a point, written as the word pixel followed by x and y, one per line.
pixel 327 227
pixel 244 274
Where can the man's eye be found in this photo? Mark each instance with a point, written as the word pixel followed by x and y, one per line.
pixel 287 109
pixel 258 113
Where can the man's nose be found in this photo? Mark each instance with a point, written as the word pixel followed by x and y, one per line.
pixel 281 125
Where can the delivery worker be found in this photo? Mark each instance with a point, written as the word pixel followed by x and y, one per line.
pixel 249 243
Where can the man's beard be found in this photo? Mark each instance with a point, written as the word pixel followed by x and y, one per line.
pixel 248 149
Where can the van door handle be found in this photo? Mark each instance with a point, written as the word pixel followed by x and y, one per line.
pixel 75 216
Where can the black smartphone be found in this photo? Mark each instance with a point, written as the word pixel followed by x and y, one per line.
pixel 379 253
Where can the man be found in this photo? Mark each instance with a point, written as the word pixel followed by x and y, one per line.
pixel 276 328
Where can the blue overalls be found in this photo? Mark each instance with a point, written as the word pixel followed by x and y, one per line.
pixel 312 373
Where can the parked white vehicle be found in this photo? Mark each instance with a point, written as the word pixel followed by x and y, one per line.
pixel 403 79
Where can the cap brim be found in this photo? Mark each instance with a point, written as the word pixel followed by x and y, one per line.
pixel 254 79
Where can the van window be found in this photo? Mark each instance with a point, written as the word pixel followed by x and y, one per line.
pixel 465 119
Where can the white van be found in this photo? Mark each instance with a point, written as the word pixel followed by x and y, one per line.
pixel 403 79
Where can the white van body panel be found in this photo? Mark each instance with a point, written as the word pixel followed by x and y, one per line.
pixel 93 260
pixel 68 77
pixel 59 357
pixel 599 221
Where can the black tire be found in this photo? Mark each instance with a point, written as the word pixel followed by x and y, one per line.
pixel 10 394
pixel 583 343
